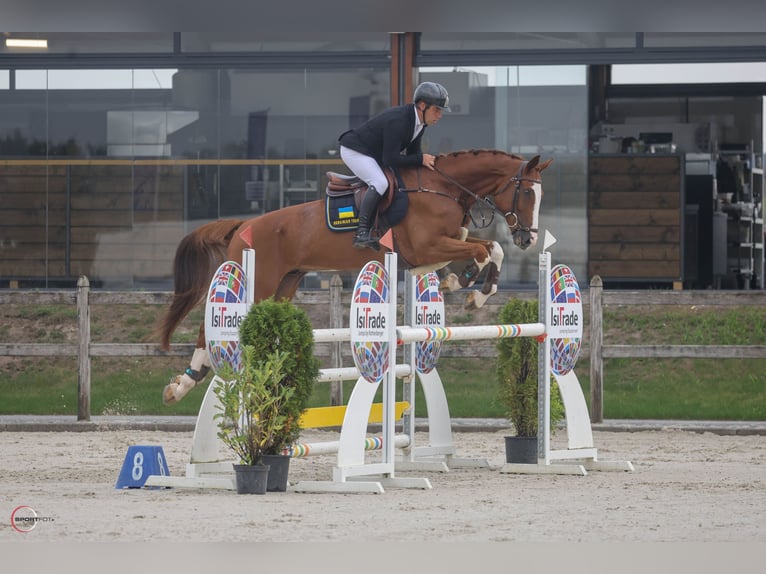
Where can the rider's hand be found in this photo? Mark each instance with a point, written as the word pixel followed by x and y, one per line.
pixel 428 161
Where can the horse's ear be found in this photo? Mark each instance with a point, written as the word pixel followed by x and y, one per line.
pixel 545 164
pixel 534 163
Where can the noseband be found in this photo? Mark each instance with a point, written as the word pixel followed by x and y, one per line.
pixel 516 180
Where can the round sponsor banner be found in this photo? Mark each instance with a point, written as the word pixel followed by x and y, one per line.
pixel 369 321
pixel 225 310
pixel 429 312
pixel 565 320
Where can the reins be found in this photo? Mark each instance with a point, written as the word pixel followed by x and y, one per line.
pixel 486 200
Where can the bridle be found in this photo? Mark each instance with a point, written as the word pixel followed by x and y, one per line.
pixel 488 201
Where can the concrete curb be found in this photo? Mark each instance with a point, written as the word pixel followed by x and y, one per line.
pixel 63 423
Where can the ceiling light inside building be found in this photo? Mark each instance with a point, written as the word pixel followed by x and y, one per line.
pixel 25 43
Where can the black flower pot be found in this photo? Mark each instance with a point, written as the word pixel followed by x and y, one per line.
pixel 251 479
pixel 521 449
pixel 279 466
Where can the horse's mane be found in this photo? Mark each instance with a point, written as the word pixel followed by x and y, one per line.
pixel 476 152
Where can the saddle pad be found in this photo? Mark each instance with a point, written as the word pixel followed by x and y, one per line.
pixel 396 211
pixel 341 213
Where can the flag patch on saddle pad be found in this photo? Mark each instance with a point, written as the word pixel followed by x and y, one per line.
pixel 341 213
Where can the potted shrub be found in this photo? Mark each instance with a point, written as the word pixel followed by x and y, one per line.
pixel 251 414
pixel 517 379
pixel 280 326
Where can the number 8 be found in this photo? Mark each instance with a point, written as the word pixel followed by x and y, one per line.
pixel 138 465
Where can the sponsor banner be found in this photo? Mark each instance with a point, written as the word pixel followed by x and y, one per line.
pixel 225 310
pixel 429 312
pixel 565 320
pixel 369 321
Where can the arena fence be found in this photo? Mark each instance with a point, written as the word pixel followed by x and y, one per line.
pixel 336 300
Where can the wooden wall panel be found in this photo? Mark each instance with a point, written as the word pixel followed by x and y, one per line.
pixel 635 207
pixel 102 221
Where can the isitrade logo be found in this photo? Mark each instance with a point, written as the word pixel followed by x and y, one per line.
pixel 222 320
pixel 25 519
pixel 566 316
pixel 227 317
pixel 371 319
pixel 429 315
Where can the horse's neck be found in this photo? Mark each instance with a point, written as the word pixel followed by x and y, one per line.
pixel 460 179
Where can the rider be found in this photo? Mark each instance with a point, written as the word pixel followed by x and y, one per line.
pixel 379 143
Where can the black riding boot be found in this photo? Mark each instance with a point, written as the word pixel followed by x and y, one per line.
pixel 367 211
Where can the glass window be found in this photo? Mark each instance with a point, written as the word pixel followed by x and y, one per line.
pixel 31 79
pixel 527 110
pixel 277 42
pixel 95 79
pixel 5 79
pixel 709 73
pixel 123 162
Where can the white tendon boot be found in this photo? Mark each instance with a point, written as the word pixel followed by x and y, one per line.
pixel 180 385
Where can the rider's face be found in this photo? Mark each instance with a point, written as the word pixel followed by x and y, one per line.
pixel 431 114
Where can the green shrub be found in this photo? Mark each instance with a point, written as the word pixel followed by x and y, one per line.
pixel 517 372
pixel 271 327
pixel 251 405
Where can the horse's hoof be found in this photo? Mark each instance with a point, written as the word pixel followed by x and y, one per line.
pixel 169 394
pixel 177 389
pixel 449 283
pixel 470 302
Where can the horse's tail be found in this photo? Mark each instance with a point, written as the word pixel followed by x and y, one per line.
pixel 197 257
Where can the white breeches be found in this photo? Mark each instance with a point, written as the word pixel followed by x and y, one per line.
pixel 365 168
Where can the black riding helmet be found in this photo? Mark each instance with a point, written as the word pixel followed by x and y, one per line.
pixel 433 94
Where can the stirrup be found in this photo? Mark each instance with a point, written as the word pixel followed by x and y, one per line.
pixel 361 242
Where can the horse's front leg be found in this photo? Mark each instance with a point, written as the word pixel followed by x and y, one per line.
pixel 470 273
pixel 197 370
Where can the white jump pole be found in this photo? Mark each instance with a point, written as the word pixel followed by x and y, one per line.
pixel 470 333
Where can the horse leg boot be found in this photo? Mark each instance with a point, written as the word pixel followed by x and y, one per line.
pixel 182 384
pixel 367 211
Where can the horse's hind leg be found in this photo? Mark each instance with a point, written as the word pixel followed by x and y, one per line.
pixel 470 273
pixel 200 365
pixel 197 370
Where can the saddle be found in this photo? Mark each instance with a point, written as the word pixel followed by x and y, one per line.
pixel 339 184
pixel 343 197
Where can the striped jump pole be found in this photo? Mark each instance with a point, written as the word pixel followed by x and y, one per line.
pixel 302 450
pixel 469 333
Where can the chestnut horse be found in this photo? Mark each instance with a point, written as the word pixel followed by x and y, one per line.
pixel 294 240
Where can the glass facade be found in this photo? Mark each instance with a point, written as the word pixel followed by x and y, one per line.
pixel 527 110
pixel 113 146
pixel 103 171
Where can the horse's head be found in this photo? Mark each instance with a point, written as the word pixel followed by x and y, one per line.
pixel 519 201
pixel 507 183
